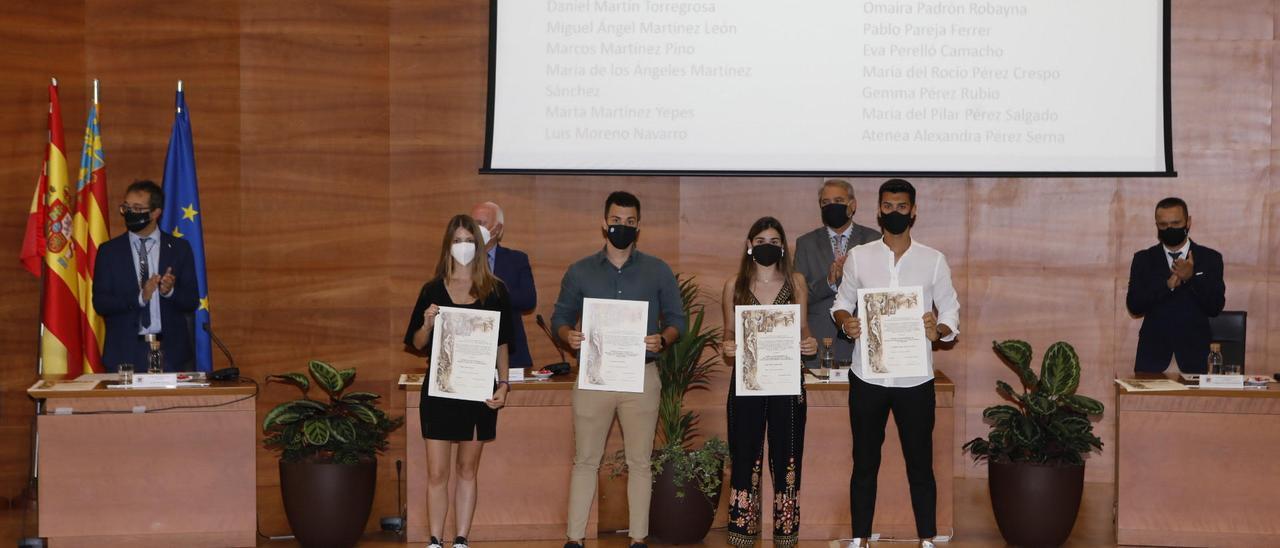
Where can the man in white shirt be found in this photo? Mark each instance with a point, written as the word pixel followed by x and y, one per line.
pixel 895 261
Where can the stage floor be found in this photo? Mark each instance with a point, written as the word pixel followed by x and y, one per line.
pixel 975 525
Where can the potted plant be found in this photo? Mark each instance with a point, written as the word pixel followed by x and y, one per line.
pixel 686 479
pixel 1036 448
pixel 328 451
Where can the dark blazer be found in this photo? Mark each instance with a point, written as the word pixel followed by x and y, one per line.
pixel 813 259
pixel 1174 323
pixel 512 267
pixel 115 297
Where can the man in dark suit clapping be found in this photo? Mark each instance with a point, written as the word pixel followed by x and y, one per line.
pixel 512 267
pixel 144 282
pixel 820 256
pixel 1175 286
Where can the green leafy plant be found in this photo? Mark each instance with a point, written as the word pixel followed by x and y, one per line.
pixel 1048 422
pixel 345 428
pixel 685 366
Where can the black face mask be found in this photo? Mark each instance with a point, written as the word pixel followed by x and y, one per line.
pixel 835 215
pixel 766 254
pixel 136 220
pixel 895 222
pixel 622 236
pixel 1172 236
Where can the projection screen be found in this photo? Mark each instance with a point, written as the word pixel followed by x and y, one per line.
pixel 824 87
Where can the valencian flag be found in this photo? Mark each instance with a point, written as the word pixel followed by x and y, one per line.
pixel 182 217
pixel 48 240
pixel 89 230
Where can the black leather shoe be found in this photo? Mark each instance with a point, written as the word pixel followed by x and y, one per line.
pixel 572 544
pixel 639 545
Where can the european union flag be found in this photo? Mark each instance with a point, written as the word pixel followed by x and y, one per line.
pixel 182 218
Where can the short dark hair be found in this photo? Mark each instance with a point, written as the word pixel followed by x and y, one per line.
pixel 898 186
pixel 1174 201
pixel 622 198
pixel 155 198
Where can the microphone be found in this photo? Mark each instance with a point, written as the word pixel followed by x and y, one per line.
pixel 563 365
pixel 229 373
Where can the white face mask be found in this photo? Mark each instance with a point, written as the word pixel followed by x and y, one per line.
pixel 463 252
pixel 484 236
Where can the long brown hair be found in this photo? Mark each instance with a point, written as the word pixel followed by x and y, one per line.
pixel 747 267
pixel 483 282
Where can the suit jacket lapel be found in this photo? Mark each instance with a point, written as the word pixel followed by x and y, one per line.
pixel 825 253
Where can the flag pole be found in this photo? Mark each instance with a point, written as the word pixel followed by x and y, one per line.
pixel 179 91
pixel 95 92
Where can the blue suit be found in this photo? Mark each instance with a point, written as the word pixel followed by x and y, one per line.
pixel 115 297
pixel 512 267
pixel 1174 323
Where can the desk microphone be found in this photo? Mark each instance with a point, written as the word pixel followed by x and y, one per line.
pixel 229 373
pixel 555 368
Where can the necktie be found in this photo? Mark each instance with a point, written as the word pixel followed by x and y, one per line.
pixel 1174 255
pixel 144 273
pixel 838 245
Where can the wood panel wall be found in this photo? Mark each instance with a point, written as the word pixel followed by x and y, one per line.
pixel 334 141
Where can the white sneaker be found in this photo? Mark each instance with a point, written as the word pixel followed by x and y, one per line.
pixel 856 543
pixel 460 542
pixel 926 543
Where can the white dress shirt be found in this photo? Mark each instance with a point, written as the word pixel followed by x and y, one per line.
pixel 871 265
pixel 1186 247
pixel 153 262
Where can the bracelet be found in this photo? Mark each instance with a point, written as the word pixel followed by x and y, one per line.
pixel 508 383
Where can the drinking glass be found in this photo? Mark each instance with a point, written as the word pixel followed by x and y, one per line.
pixel 126 373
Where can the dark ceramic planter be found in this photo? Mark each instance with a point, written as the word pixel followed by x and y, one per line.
pixel 328 504
pixel 1035 505
pixel 677 520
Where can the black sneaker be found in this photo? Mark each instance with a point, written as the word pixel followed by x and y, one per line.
pixel 435 543
pixel 639 545
pixel 460 542
pixel 572 544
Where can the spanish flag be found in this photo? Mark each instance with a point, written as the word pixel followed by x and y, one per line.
pixel 49 235
pixel 89 230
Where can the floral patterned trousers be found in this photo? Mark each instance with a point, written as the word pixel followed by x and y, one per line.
pixel 751 419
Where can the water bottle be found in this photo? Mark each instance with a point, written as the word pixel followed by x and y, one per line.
pixel 155 357
pixel 1215 359
pixel 828 359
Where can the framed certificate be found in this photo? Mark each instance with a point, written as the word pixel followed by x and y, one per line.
pixel 893 343
pixel 768 359
pixel 464 354
pixel 612 357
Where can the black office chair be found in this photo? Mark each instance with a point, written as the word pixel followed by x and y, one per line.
pixel 1228 329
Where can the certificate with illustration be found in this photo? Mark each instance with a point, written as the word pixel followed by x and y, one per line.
pixel 464 354
pixel 893 343
pixel 767 362
pixel 612 357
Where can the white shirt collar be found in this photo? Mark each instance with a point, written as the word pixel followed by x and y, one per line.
pixel 847 232
pixel 1182 250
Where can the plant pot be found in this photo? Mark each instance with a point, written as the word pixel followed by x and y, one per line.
pixel 680 520
pixel 328 505
pixel 1035 504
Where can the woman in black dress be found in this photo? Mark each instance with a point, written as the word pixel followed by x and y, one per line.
pixel 765 275
pixel 462 280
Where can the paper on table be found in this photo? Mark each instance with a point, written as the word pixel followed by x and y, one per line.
pixel 464 354
pixel 1151 385
pixel 613 350
pixel 767 362
pixel 893 343
pixel 65 386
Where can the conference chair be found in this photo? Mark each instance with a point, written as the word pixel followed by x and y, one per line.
pixel 1228 329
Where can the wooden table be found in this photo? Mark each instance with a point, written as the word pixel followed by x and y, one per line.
pixel 524 472
pixel 1198 467
pixel 828 464
pixel 112 476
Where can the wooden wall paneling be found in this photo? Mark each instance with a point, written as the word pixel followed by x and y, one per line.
pixel 314 200
pixel 38 39
pixel 1223 20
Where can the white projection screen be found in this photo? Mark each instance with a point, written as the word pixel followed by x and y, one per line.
pixel 826 87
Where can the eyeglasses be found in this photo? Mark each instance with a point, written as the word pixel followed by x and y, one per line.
pixel 126 208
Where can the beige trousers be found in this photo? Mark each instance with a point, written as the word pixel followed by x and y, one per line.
pixel 593 413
